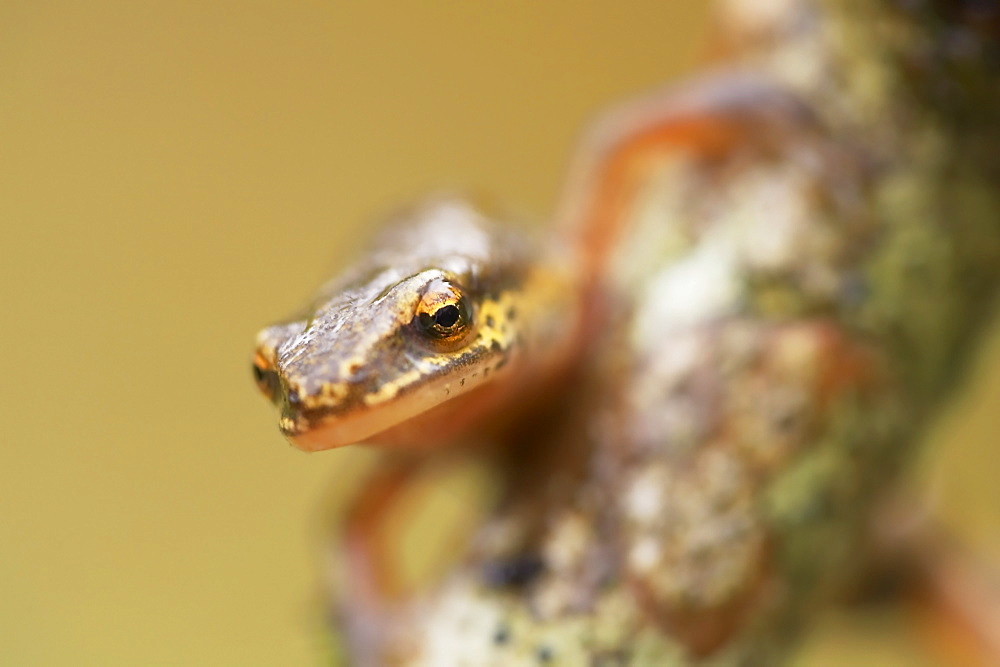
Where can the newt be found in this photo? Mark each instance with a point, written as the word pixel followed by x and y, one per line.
pixel 761 283
pixel 450 319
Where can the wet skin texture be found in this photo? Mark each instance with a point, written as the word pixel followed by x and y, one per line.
pixel 446 302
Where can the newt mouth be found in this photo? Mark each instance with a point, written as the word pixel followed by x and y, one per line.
pixel 301 422
pixel 359 413
pixel 335 430
pixel 353 421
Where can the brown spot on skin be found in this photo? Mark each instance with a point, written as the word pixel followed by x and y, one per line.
pixel 704 631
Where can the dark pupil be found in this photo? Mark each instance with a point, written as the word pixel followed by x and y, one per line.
pixel 446 317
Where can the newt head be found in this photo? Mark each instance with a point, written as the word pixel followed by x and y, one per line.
pixel 435 312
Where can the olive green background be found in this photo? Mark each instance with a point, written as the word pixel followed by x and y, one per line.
pixel 173 175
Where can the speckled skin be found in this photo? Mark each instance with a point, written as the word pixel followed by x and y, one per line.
pixel 357 363
pixel 792 291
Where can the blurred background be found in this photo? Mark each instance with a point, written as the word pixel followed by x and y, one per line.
pixel 175 175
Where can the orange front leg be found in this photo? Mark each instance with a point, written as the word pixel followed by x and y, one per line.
pixel 710 120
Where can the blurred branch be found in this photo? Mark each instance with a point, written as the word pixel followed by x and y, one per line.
pixel 782 315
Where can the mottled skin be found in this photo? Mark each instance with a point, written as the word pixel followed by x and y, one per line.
pixel 780 269
pixel 797 255
pixel 361 365
pixel 729 486
pixel 451 328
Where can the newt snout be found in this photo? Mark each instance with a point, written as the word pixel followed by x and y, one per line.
pixel 443 306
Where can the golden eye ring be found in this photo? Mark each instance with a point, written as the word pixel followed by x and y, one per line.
pixel 443 313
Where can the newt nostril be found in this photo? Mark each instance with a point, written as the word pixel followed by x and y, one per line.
pixel 267 379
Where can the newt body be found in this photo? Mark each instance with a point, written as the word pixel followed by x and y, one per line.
pixel 768 292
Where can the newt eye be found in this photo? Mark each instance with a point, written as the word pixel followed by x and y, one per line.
pixel 443 312
pixel 265 377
